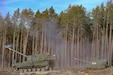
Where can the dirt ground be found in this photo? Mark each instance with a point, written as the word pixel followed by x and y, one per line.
pixel 107 71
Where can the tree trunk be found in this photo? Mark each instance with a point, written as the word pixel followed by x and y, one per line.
pixel 65 47
pixel 110 46
pixel 42 41
pixel 17 45
pixel 36 42
pixel 13 46
pixel 72 49
pixel 21 40
pixel 45 39
pixel 25 43
pixel 3 46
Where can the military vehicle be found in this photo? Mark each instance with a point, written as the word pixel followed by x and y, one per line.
pixel 98 64
pixel 95 64
pixel 36 62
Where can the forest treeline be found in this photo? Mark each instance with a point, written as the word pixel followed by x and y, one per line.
pixel 28 32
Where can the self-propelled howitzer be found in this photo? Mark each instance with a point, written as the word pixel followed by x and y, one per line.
pixel 37 62
pixel 95 64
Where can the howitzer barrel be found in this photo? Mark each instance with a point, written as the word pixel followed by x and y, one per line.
pixel 18 52
pixel 82 60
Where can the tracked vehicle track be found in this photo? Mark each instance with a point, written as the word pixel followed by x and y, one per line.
pixel 32 69
pixel 34 72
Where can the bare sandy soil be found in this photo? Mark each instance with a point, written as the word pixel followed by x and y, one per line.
pixel 107 71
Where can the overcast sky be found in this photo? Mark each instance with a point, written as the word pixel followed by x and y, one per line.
pixel 59 5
